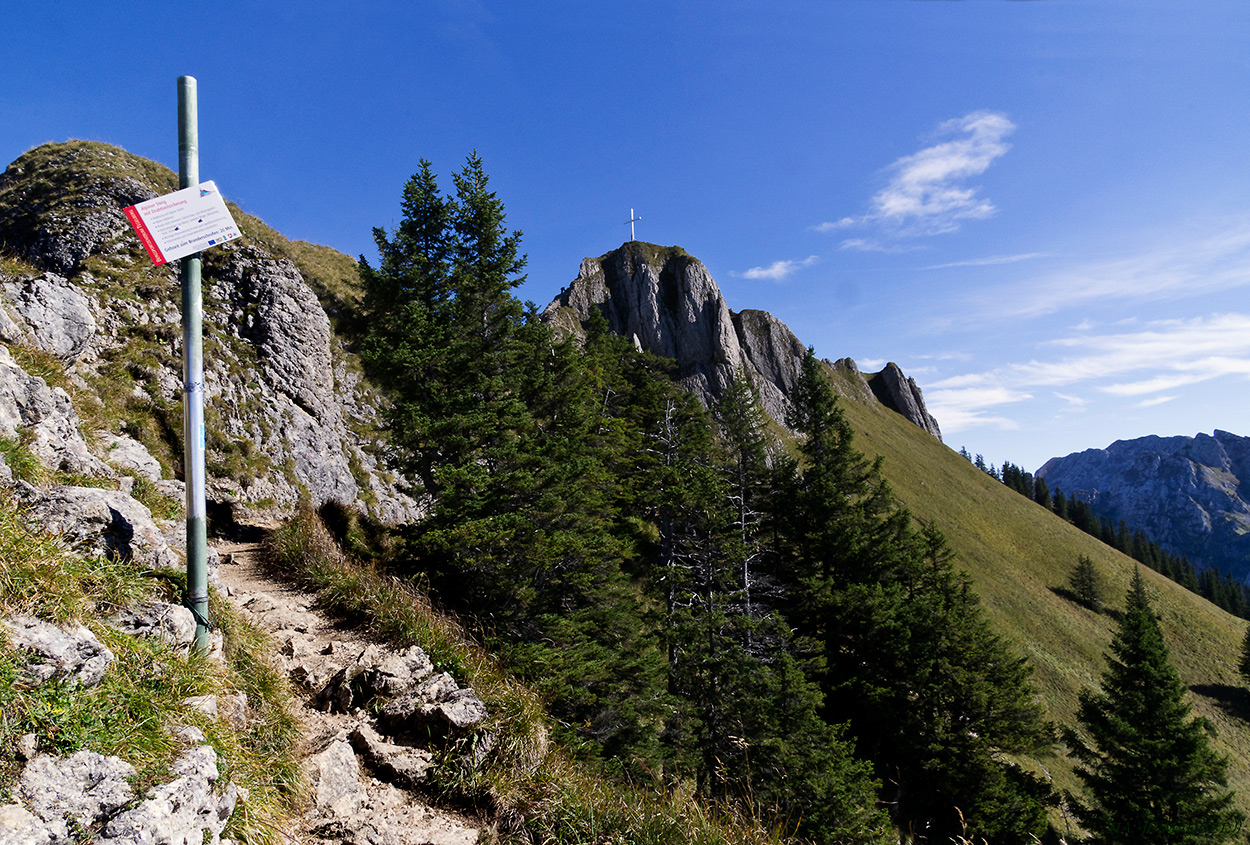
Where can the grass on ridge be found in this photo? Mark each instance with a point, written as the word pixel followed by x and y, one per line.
pixel 131 713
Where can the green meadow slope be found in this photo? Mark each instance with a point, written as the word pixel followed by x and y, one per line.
pixel 1018 553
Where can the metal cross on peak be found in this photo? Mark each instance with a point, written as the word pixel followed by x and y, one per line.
pixel 630 222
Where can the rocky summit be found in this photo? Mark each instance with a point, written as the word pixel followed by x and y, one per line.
pixel 1184 493
pixel 666 301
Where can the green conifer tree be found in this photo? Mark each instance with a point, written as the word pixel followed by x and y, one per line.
pixel 1085 583
pixel 1244 665
pixel 897 642
pixel 1149 772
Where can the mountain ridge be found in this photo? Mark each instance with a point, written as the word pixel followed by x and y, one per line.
pixel 1185 493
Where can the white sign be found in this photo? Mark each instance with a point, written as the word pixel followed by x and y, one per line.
pixel 182 223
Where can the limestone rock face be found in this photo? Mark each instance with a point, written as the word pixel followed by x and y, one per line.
pixel 60 208
pixel 47 417
pixel 57 316
pixel 775 353
pixel 669 305
pixel 900 393
pixel 274 310
pixel 1184 493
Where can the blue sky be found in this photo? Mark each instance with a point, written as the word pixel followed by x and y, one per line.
pixel 1040 209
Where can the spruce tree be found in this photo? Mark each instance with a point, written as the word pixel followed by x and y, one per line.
pixel 897 642
pixel 1149 772
pixel 1085 584
pixel 1244 665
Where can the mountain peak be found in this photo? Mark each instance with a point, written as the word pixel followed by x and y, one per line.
pixel 667 302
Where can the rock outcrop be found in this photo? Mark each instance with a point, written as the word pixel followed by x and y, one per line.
pixel 61 797
pixel 900 393
pixel 58 652
pixel 668 304
pixel 285 409
pixel 1184 493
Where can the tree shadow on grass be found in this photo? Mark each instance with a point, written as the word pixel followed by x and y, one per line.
pixel 1233 700
pixel 1067 595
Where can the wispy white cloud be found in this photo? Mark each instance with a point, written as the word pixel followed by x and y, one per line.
pixel 778 270
pixel 1185 266
pixel 991 261
pixel 1156 359
pixel 836 225
pixel 1158 400
pixel 927 193
pixel 1073 401
pixel 957 409
pixel 870 245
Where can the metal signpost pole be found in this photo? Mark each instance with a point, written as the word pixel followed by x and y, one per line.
pixel 193 378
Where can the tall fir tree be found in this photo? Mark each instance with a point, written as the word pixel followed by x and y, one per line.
pixel 897 642
pixel 1150 774
pixel 499 424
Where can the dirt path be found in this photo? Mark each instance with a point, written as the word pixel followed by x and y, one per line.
pixel 352 805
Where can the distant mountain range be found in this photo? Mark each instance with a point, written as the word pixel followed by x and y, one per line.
pixel 1184 493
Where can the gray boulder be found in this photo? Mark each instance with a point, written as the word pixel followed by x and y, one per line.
pixel 57 316
pixel 185 811
pixel 172 623
pixel 103 522
pixel 335 779
pixel 438 704
pixel 376 671
pixel 74 793
pixel 71 652
pixel 127 453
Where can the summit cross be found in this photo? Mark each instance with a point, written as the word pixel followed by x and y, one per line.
pixel 630 222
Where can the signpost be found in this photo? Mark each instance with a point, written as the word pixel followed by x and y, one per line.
pixel 180 225
pixel 193 376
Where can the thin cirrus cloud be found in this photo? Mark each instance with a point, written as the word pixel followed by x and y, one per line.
pixel 991 261
pixel 1146 364
pixel 1186 265
pixel 927 193
pixel 779 270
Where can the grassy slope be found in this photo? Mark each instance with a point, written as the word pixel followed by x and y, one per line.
pixel 1016 552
